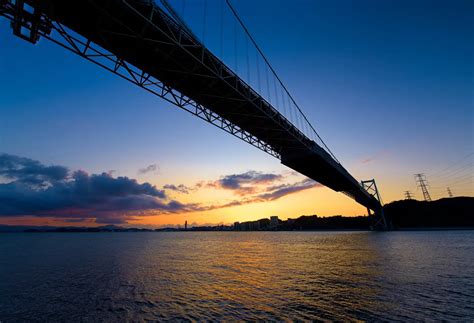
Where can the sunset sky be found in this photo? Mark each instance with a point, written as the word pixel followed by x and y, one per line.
pixel 389 86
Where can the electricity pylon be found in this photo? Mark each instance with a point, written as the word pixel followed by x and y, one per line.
pixel 450 194
pixel 422 183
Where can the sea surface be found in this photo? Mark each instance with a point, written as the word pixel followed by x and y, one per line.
pixel 341 276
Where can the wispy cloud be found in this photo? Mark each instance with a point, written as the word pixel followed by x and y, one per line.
pixel 276 192
pixel 379 155
pixel 271 193
pixel 149 169
pixel 367 160
pixel 179 188
pixel 245 183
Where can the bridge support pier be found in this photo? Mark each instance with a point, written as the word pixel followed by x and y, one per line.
pixel 378 222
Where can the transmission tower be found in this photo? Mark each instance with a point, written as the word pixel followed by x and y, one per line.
pixel 450 194
pixel 422 183
pixel 408 195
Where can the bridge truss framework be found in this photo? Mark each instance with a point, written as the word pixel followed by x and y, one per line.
pixel 30 25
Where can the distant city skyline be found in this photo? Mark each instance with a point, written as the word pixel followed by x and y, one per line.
pixel 389 88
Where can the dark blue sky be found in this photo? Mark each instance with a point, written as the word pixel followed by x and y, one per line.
pixel 390 82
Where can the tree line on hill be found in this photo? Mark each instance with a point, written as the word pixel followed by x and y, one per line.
pixel 457 212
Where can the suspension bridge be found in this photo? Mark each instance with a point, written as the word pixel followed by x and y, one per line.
pixel 151 45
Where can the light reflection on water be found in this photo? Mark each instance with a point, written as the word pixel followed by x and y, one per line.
pixel 237 275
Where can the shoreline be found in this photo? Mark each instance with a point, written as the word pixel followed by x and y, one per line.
pixel 191 230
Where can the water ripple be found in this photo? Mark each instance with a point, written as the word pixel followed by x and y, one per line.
pixel 191 276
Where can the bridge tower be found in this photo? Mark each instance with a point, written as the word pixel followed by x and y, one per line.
pixel 377 218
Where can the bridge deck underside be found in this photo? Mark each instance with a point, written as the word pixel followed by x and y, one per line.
pixel 144 36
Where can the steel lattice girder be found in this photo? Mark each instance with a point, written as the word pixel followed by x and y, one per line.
pixel 109 61
pixel 242 106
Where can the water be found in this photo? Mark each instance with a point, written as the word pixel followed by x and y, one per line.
pixel 237 275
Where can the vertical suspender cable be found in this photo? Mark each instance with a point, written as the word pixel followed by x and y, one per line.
pixel 235 48
pixel 283 101
pixel 268 86
pixel 276 93
pixel 291 110
pixel 258 73
pixel 279 80
pixel 248 60
pixel 183 4
pixel 222 29
pixel 204 23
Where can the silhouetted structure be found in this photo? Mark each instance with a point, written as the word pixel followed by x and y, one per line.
pixel 450 194
pixel 274 221
pixel 423 184
pixel 148 46
pixel 377 218
pixel 408 195
pixel 446 213
pixel 307 222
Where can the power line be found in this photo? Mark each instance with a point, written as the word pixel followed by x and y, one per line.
pixel 451 182
pixel 462 188
pixel 454 171
pixel 453 164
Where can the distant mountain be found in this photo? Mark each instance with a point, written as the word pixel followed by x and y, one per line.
pixel 31 228
pixel 23 228
pixel 457 212
pixel 444 213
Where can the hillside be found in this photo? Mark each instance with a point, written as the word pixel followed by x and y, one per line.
pixel 446 212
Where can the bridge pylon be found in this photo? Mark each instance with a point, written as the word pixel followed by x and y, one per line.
pixel 378 222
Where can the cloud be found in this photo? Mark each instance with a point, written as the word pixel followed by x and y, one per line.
pixel 245 183
pixel 178 188
pixel 53 191
pixel 149 169
pixel 279 191
pixel 75 220
pixel 34 189
pixel 367 160
pixel 379 155
pixel 252 186
pixel 272 193
pixel 29 171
